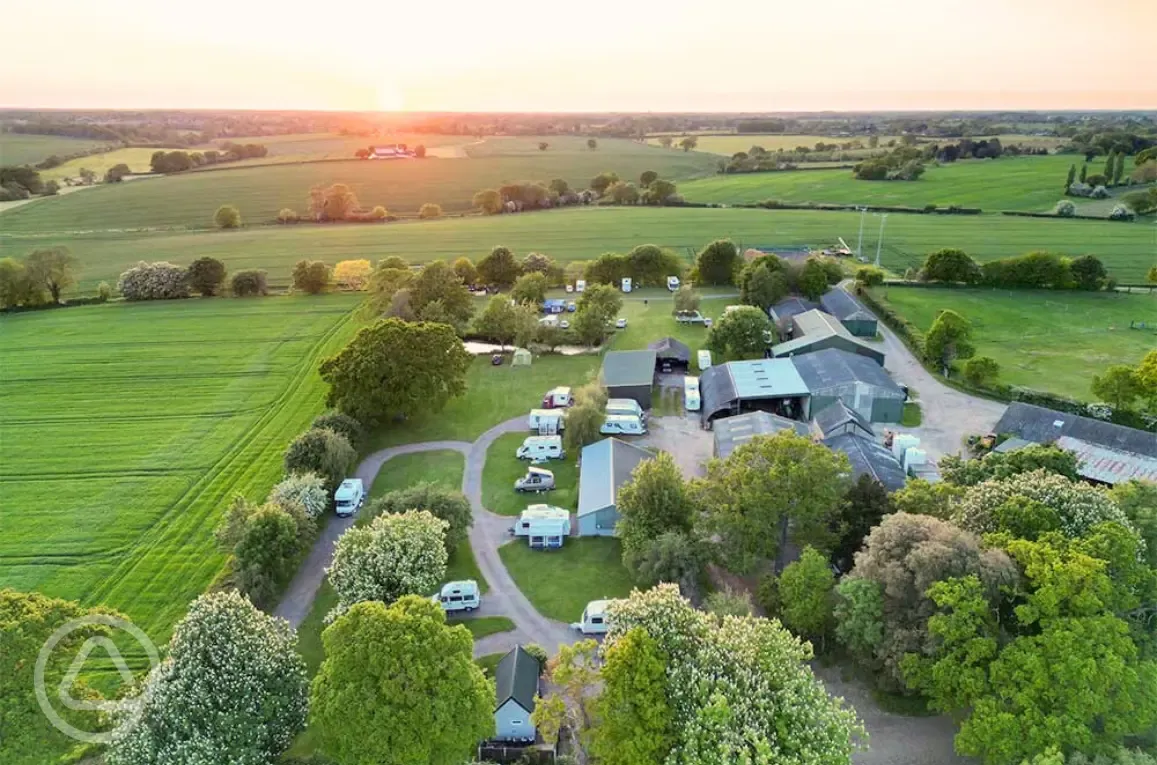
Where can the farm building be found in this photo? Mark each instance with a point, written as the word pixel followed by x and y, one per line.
pixel 516 685
pixel 782 312
pixel 837 419
pixel 870 458
pixel 670 352
pixel 543 526
pixel 834 375
pixel 390 151
pixel 733 432
pixel 851 312
pixel 604 467
pixel 630 374
pixel 813 331
pixel 771 385
pixel 1108 453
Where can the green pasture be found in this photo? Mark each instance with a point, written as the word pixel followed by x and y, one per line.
pixel 654 319
pixel 188 200
pixel 503 468
pixel 138 160
pixel 1053 341
pixel 726 145
pixel 1031 184
pixel 25 149
pixel 560 583
pixel 312 147
pixel 127 429
pixel 584 234
pixel 441 467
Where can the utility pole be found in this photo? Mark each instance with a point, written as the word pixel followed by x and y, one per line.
pixel 860 243
pixel 880 241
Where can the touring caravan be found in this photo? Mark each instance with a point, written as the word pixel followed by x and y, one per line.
pixel 626 284
pixel 559 396
pixel 623 425
pixel 627 406
pixel 349 496
pixel 544 526
pixel 546 422
pixel 580 285
pixel 594 618
pixel 538 448
pixel 459 596
pixel 672 283
pixel 704 360
pixel 691 399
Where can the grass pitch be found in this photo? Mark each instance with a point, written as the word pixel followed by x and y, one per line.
pixel 560 583
pixel 27 149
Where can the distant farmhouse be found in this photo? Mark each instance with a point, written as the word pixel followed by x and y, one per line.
pixel 390 151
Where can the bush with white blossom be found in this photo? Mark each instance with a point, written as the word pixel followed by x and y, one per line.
pixel 306 489
pixel 739 687
pixel 397 554
pixel 232 689
pixel 154 281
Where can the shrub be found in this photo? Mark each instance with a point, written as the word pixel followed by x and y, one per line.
pixel 869 276
pixel 249 283
pixel 103 291
pixel 430 210
pixel 1121 212
pixel 310 276
pixel 981 370
pixel 227 216
pixel 321 451
pixel 379 213
pixel 1065 208
pixel 286 215
pixel 304 489
pixel 266 554
pixel 353 274
pixel 206 275
pixel 154 281
pixel 449 505
pixel 340 422
pixel 1100 192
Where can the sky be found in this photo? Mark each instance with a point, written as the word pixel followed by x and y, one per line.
pixel 593 55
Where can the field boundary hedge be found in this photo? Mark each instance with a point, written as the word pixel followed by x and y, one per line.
pixel 1054 216
pixel 774 204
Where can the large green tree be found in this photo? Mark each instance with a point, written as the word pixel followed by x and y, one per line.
pixel 396 369
pixel 949 338
pixel 321 451
pixel 206 275
pixel 601 299
pixel 1118 386
pixel 498 268
pixel 950 265
pixel 310 276
pixel 655 500
pixel 52 269
pixel 635 717
pixel 399 686
pixel 719 262
pixel 498 321
pixel 650 265
pixel 864 506
pixel 530 288
pixel 806 595
pixel 438 282
pixel 744 332
pixel 813 279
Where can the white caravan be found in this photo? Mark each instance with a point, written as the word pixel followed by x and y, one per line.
pixel 625 406
pixel 459 596
pixel 538 448
pixel 673 283
pixel 704 359
pixel 594 618
pixel 622 425
pixel 546 422
pixel 626 284
pixel 691 393
pixel 349 496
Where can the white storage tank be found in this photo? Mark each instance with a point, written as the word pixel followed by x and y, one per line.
pixel 902 443
pixel 913 458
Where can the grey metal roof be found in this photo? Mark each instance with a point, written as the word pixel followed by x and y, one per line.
pixel 516 677
pixel 629 368
pixel 841 304
pixel 733 432
pixel 811 327
pixel 789 307
pixel 836 415
pixel 723 384
pixel 670 348
pixel 1043 426
pixel 870 458
pixel 1111 466
pixel 832 368
pixel 606 465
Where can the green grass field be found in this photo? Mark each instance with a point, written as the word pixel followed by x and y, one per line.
pixel 304 147
pixel 189 200
pixel 1054 341
pixel 442 467
pixel 502 469
pixel 137 160
pixel 654 320
pixel 127 429
pixel 584 234
pixel 560 583
pixel 726 145
pixel 481 626
pixel 1015 183
pixel 26 149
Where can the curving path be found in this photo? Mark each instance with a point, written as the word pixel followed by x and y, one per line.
pixel 489 532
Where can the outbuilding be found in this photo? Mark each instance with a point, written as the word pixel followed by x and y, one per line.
pixel 630 374
pixel 516 685
pixel 544 526
pixel 837 419
pixel 871 459
pixel 851 312
pixel 733 432
pixel 813 331
pixel 771 385
pixel 604 467
pixel 860 383
pixel 670 353
pixel 782 312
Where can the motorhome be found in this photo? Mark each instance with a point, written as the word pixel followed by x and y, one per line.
pixel 546 422
pixel 691 400
pixel 536 480
pixel 559 396
pixel 459 596
pixel 672 283
pixel 538 448
pixel 544 526
pixel 594 618
pixel 350 495
pixel 625 406
pixel 623 425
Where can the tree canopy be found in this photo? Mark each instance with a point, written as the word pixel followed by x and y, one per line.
pixel 744 332
pixel 719 262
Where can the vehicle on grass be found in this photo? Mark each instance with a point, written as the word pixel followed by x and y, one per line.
pixel 580 285
pixel 571 307
pixel 707 322
pixel 704 358
pixel 349 496
pixel 496 360
pixel 689 317
pixel 553 305
pixel 539 448
pixel 570 288
pixel 626 284
pixel 546 422
pixel 459 596
pixel 691 400
pixel 536 480
pixel 672 283
pixel 627 406
pixel 594 618
pixel 544 526
pixel 621 324
pixel 556 397
pixel 623 425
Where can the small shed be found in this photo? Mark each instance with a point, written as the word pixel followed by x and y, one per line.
pixel 782 312
pixel 733 432
pixel 851 312
pixel 521 358
pixel 670 352
pixel 544 526
pixel 630 374
pixel 813 331
pixel 859 382
pixel 516 685
pixel 605 466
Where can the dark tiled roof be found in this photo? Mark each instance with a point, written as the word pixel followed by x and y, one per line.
pixel 1043 426
pixel 516 677
pixel 833 367
pixel 870 458
pixel 628 368
pixel 843 306
pixel 836 415
pixel 670 348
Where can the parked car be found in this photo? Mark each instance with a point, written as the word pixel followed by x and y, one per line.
pixel 571 307
pixel 496 360
pixel 594 619
pixel 672 283
pixel 349 496
pixel 536 480
pixel 459 596
pixel 621 324
pixel 564 324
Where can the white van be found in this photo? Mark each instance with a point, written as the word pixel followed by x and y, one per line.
pixel 625 406
pixel 626 284
pixel 459 596
pixel 704 359
pixel 538 448
pixel 623 424
pixel 673 283
pixel 546 421
pixel 350 495
pixel 594 618
pixel 691 393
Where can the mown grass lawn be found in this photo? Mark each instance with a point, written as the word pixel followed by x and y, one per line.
pixel 503 468
pixel 489 663
pixel 560 583
pixel 655 319
pixel 443 468
pixel 1054 341
pixel 481 626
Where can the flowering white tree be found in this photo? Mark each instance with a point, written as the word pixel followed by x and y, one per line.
pixel 232 689
pixel 154 281
pixel 739 687
pixel 305 489
pixel 398 554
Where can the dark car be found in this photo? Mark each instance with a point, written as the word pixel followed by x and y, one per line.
pixel 496 360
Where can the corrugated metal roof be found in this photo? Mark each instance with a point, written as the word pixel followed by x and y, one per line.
pixel 733 432
pixel 1043 426
pixel 831 368
pixel 516 677
pixel 789 307
pixel 606 465
pixel 766 378
pixel 1106 465
pixel 870 458
pixel 837 414
pixel 841 304
pixel 812 326
pixel 670 348
pixel 628 368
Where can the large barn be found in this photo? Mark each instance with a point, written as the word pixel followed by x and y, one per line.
pixel 813 331
pixel 605 466
pixel 630 374
pixel 771 385
pixel 852 314
pixel 733 432
pixel 859 382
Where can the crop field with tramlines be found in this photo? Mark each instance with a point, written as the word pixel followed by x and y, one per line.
pixel 128 428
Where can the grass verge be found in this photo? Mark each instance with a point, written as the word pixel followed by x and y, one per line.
pixel 912 416
pixel 561 582
pixel 444 468
pixel 482 626
pixel 502 468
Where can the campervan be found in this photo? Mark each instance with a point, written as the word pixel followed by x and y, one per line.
pixel 459 596
pixel 691 393
pixel 543 526
pixel 626 284
pixel 537 448
pixel 350 495
pixel 625 406
pixel 546 422
pixel 672 283
pixel 536 480
pixel 594 618
pixel 704 359
pixel 622 425
pixel 559 396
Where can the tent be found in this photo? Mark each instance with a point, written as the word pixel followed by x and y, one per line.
pixel 522 358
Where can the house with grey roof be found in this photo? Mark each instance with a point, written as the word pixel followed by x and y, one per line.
pixel 863 386
pixel 603 468
pixel 870 458
pixel 730 433
pixel 851 312
pixel 813 331
pixel 630 374
pixel 1108 453
pixel 516 685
